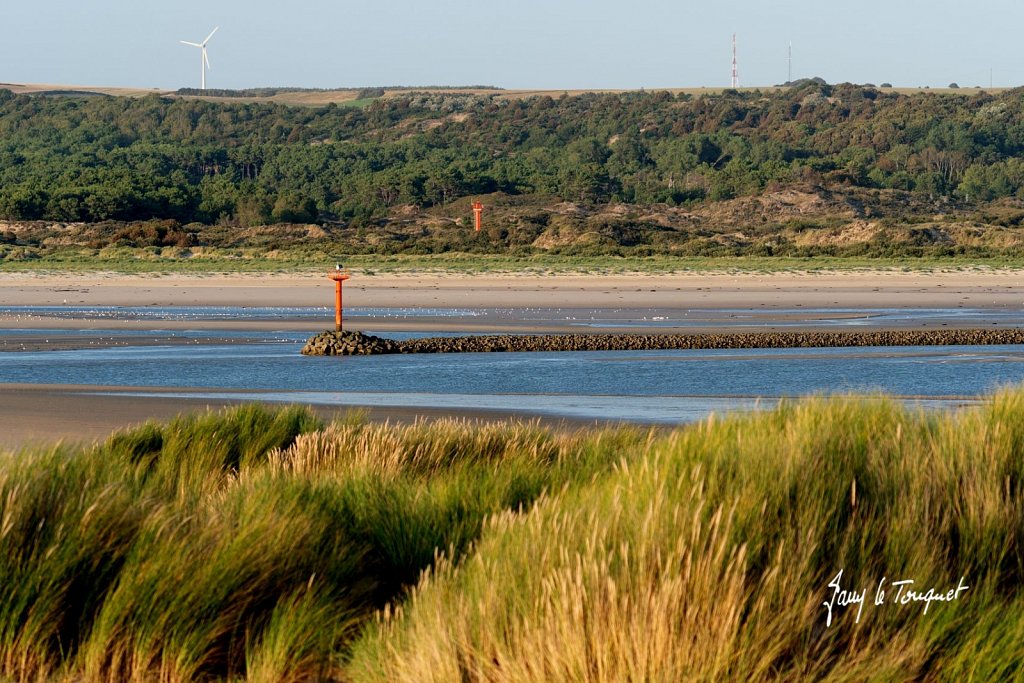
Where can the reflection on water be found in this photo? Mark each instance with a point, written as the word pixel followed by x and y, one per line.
pixel 658 386
pixel 650 386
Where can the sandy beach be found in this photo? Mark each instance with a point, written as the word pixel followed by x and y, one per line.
pixel 979 288
pixel 36 413
pixel 775 296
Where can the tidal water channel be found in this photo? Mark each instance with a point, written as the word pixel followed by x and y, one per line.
pixel 642 386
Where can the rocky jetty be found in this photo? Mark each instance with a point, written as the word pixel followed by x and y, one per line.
pixel 348 344
pixel 353 343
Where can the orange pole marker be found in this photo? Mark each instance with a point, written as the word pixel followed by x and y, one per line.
pixel 478 212
pixel 339 277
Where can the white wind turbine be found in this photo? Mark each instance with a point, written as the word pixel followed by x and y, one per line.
pixel 204 61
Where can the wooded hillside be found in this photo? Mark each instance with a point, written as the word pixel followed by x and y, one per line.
pixel 71 159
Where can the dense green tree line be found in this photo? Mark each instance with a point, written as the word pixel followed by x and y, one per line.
pixel 90 159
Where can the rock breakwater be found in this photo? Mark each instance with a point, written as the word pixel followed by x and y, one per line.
pixel 356 343
pixel 348 344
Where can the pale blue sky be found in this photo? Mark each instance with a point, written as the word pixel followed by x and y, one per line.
pixel 514 44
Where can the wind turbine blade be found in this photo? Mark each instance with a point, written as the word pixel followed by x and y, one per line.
pixel 185 42
pixel 210 36
pixel 207 60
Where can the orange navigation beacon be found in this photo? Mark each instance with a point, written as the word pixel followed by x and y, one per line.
pixel 339 276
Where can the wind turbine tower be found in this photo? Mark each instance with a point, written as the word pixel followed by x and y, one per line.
pixel 735 72
pixel 789 78
pixel 204 61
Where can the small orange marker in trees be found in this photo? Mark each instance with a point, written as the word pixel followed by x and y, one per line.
pixel 339 276
pixel 478 212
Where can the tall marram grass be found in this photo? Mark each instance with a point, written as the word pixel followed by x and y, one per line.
pixel 709 557
pixel 258 544
pixel 250 543
pixel 74 523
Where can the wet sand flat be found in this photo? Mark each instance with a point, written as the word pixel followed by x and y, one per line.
pixel 42 415
pixel 45 341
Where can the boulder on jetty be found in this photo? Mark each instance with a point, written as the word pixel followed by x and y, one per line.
pixel 351 343
pixel 724 340
pixel 348 344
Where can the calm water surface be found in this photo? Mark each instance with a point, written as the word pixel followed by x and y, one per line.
pixel 655 386
pixel 648 386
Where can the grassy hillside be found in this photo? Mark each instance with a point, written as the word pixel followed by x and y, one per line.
pixel 799 223
pixel 261 545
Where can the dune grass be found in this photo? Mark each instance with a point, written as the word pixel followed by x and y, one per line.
pixel 258 544
pixel 709 558
pixel 250 543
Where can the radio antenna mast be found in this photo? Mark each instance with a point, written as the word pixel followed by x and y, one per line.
pixel 735 71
